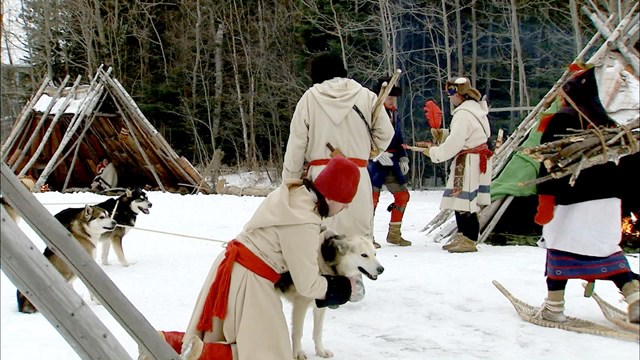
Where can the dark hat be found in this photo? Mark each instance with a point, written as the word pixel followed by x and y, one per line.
pixel 582 90
pixel 326 66
pixel 395 91
pixel 462 86
pixel 339 180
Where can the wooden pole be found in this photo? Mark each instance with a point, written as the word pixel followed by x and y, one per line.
pixel 34 134
pixel 47 134
pixel 22 118
pixel 144 154
pixel 33 274
pixel 136 114
pixel 95 90
pixel 87 126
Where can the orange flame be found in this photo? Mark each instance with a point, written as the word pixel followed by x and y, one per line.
pixel 629 225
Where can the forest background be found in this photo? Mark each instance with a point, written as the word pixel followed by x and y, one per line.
pixel 227 74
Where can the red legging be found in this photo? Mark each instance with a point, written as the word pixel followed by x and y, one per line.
pixel 400 200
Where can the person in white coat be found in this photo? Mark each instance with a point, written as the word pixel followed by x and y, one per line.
pixel 238 314
pixel 335 116
pixel 470 172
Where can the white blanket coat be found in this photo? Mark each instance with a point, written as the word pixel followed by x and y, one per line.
pixel 469 128
pixel 324 114
pixel 285 233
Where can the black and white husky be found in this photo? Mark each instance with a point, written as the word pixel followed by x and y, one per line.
pixel 349 256
pixel 125 210
pixel 86 225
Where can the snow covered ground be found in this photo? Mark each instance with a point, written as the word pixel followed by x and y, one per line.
pixel 428 304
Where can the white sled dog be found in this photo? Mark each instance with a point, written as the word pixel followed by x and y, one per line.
pixel 339 255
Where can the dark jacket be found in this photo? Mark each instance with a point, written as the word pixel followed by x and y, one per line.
pixel 378 172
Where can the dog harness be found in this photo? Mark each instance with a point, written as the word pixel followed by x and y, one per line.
pixel 218 296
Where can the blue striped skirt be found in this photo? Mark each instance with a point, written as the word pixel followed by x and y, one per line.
pixel 562 265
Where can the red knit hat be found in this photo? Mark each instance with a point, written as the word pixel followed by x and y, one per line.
pixel 338 181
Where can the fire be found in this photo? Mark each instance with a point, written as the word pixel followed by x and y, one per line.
pixel 629 225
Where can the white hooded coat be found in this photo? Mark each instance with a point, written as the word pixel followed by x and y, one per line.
pixel 469 129
pixel 285 233
pixel 324 114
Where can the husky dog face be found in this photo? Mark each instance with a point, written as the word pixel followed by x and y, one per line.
pixel 352 255
pixel 97 220
pixel 138 201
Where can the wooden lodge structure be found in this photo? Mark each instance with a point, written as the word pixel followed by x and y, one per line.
pixel 63 133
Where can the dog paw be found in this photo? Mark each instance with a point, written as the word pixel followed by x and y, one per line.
pixel 299 355
pixel 324 353
pixel 106 263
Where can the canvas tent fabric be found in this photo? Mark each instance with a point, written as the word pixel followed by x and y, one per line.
pixel 64 132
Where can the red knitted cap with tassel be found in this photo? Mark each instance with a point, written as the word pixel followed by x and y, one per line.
pixel 338 181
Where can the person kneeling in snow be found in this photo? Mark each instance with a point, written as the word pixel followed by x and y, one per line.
pixel 238 314
pixel 582 223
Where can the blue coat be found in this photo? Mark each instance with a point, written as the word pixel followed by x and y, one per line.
pixel 377 172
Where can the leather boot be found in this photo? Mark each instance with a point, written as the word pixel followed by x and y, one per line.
pixel 553 307
pixel 631 292
pixel 454 241
pixel 463 245
pixel 395 236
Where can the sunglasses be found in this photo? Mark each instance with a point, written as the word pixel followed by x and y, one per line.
pixel 451 90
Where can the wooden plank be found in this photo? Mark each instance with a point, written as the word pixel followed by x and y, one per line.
pixel 58 239
pixel 32 273
pixel 494 220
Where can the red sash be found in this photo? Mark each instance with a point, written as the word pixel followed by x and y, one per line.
pixel 358 162
pixel 218 296
pixel 484 153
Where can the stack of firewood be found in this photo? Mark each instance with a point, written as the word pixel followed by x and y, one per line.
pixel 583 149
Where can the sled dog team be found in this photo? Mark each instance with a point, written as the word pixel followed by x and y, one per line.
pixel 106 223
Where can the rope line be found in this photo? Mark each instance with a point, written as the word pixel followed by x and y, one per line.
pixel 224 242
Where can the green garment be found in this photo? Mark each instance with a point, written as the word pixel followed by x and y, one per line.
pixel 521 168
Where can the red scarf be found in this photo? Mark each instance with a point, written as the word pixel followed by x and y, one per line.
pixel 218 296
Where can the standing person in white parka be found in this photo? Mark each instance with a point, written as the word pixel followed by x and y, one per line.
pixel 469 179
pixel 337 111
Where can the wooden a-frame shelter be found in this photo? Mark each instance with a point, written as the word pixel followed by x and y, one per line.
pixel 64 132
pixel 618 30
